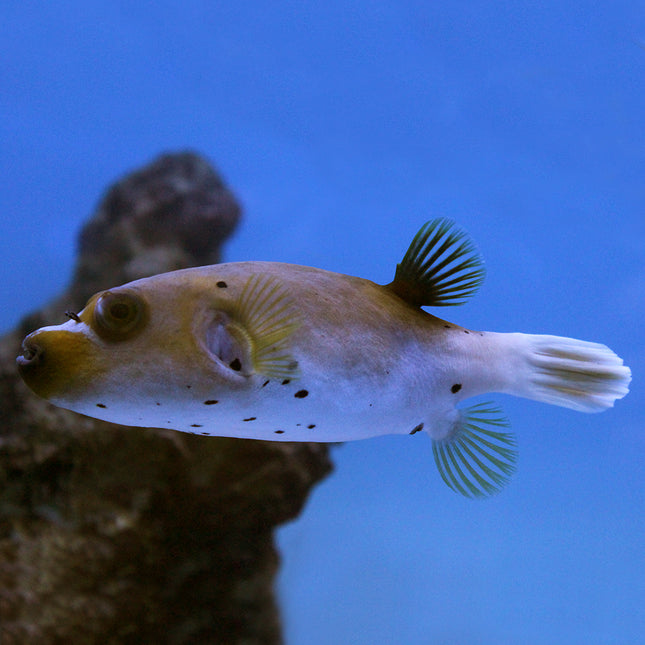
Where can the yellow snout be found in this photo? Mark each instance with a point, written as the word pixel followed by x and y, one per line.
pixel 56 361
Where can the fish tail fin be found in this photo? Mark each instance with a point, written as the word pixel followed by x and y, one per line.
pixel 583 376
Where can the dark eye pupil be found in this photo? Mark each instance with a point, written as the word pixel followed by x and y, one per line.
pixel 120 311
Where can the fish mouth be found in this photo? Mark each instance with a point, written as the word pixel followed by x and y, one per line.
pixel 53 361
pixel 32 354
pixel 32 363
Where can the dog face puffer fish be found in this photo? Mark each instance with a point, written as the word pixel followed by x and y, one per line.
pixel 265 350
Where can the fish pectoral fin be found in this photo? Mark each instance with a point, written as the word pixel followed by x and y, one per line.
pixel 477 457
pixel 266 314
pixel 441 267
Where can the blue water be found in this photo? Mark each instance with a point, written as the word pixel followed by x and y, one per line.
pixel 342 126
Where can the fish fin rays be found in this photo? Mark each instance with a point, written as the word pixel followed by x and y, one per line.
pixel 441 267
pixel 265 310
pixel 576 374
pixel 477 458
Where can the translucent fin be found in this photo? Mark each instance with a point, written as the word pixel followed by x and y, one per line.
pixel 441 267
pixel 477 460
pixel 571 373
pixel 266 311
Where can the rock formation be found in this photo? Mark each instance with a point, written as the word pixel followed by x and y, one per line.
pixel 115 535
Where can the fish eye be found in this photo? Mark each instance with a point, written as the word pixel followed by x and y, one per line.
pixel 119 316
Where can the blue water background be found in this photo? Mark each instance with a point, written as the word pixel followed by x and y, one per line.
pixel 342 126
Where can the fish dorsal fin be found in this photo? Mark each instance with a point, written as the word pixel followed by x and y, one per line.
pixel 441 267
pixel 265 311
pixel 477 457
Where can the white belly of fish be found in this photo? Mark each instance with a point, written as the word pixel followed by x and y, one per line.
pixel 323 407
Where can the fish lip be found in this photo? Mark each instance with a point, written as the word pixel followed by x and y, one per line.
pixel 31 355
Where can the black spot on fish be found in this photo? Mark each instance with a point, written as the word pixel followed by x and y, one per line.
pixel 265 383
pixel 206 433
pixel 250 419
pixel 301 394
pixel 101 405
pixel 466 331
pixel 196 425
pixel 157 403
pixel 222 285
pixel 278 431
pixel 447 327
pixel 417 429
pixel 455 388
pixel 210 402
pixel 286 381
pixel 311 426
pixel 235 364
pixel 188 387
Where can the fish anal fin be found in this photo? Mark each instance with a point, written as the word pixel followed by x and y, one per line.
pixel 441 267
pixel 477 457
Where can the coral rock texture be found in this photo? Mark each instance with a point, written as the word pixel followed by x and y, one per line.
pixel 117 535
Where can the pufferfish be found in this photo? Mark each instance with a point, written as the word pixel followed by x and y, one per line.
pixel 266 350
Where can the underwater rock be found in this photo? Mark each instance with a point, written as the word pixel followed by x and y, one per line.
pixel 123 535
